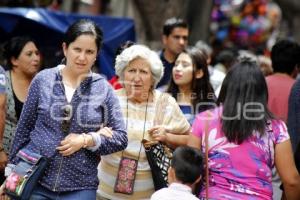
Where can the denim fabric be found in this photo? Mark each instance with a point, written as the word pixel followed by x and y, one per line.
pixel 41 193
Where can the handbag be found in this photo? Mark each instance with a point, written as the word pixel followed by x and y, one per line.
pixel 159 157
pixel 125 180
pixel 25 175
pixel 126 176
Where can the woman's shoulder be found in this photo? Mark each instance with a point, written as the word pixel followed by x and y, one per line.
pixel 213 116
pixel 213 112
pixel 163 95
pixel 98 77
pixel 100 83
pixel 47 73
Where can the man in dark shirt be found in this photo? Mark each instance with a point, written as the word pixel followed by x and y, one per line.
pixel 175 39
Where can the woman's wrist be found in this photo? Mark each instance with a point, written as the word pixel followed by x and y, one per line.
pixel 167 138
pixel 84 145
pixel 88 140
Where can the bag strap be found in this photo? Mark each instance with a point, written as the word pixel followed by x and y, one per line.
pixel 206 154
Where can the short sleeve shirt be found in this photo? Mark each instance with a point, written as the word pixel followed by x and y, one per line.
pixel 239 171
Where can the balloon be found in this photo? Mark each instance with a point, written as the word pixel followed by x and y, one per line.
pixel 253 27
pixel 235 20
pixel 244 22
pixel 222 34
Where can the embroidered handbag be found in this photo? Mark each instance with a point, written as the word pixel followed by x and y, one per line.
pixel 24 177
pixel 126 176
pixel 128 166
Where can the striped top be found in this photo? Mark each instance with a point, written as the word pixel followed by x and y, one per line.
pixel 173 120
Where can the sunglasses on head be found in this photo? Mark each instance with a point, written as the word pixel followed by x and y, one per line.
pixel 67 115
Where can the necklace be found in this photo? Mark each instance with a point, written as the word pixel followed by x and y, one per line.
pixel 144 127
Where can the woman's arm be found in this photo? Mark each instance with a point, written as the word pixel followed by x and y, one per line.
pixel 114 120
pixel 106 140
pixel 171 126
pixel 27 119
pixel 173 140
pixel 194 141
pixel 285 165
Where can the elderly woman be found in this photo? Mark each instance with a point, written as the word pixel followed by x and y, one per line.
pixel 140 69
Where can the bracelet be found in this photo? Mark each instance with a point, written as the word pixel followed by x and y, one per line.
pixel 84 140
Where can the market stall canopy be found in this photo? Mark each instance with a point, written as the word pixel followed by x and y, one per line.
pixel 47 28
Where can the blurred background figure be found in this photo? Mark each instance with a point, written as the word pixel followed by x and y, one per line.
pixel 175 40
pixel 114 81
pixel 265 65
pixel 294 115
pixel 285 58
pixel 225 60
pixel 190 85
pixel 23 61
pixel 215 76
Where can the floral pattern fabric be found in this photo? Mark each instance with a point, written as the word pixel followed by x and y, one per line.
pixel 239 171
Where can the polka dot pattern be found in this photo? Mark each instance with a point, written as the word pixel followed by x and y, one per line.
pixel 39 129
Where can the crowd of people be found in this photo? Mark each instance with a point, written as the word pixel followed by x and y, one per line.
pixel 224 116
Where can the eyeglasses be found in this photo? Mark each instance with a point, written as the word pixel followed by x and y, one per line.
pixel 67 115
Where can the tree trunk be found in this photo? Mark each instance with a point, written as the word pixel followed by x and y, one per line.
pixel 291 13
pixel 153 15
pixel 198 17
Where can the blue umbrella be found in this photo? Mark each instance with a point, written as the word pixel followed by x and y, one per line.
pixel 47 28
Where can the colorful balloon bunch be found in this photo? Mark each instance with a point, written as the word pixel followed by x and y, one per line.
pixel 245 23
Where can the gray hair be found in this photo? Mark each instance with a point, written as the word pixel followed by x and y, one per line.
pixel 203 46
pixel 140 51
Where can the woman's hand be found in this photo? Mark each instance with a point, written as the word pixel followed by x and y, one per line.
pixel 3 160
pixel 3 196
pixel 159 133
pixel 106 131
pixel 72 143
pixel 173 140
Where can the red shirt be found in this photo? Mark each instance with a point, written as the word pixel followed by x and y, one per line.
pixel 114 82
pixel 279 88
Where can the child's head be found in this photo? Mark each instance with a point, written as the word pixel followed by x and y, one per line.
pixel 186 165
